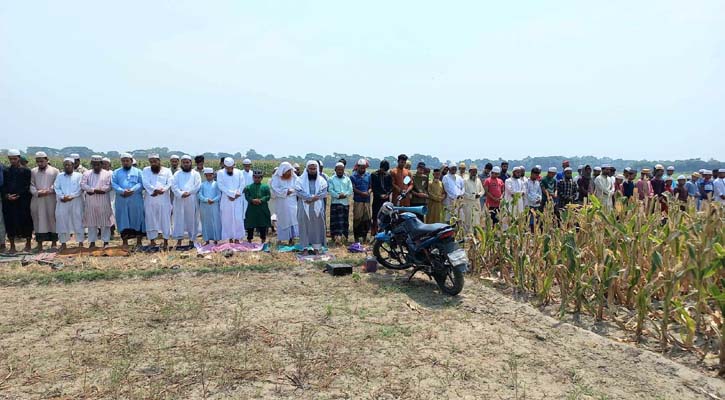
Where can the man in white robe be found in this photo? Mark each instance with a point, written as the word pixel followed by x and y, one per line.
pixel 157 181
pixel 231 183
pixel 472 193
pixel 42 205
pixel 604 188
pixel 515 191
pixel 311 192
pixel 185 188
pixel 284 194
pixel 454 187
pixel 69 205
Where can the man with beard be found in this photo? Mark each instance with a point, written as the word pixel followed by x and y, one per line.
pixel 127 183
pixel 97 212
pixel 174 162
pixel 231 184
pixel 504 171
pixel 515 191
pixel 258 217
pixel 42 205
pixel 604 188
pixel 340 189
pixel 69 205
pixel 283 187
pixel 157 181
pixel 382 186
pixel 185 186
pixel 311 190
pixel 472 193
pixel 16 201
pixel 361 186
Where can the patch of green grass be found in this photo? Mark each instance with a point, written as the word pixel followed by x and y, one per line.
pixel 390 331
pixel 67 277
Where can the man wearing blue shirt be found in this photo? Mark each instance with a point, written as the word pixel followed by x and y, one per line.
pixel 130 219
pixel 361 214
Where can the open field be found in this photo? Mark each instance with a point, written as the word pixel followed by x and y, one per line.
pixel 262 325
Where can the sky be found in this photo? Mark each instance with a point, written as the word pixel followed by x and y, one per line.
pixel 458 79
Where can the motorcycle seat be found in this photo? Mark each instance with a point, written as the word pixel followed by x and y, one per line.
pixel 421 229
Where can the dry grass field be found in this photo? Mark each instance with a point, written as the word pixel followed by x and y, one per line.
pixel 173 326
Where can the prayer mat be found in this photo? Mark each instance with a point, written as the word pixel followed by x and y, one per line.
pixel 234 247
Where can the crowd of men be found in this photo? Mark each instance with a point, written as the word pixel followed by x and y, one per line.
pixel 190 198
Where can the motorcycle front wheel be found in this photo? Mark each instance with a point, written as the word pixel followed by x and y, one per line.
pixel 389 255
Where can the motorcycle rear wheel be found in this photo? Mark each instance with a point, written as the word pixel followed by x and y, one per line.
pixel 450 281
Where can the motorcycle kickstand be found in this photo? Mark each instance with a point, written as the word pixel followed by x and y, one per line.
pixel 415 271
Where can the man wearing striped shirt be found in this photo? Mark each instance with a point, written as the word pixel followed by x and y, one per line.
pixel 97 213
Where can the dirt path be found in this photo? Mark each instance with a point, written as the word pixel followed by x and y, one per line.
pixel 304 334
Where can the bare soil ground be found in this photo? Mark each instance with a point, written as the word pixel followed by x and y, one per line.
pixel 264 326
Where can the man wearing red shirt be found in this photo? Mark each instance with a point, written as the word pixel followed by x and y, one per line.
pixel 494 193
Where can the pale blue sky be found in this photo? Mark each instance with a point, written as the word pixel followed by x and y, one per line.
pixel 456 79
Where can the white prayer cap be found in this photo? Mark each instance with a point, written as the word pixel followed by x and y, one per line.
pixel 174 157
pixel 133 161
pixel 96 157
pixel 106 159
pixel 702 170
pixel 597 168
pixel 496 169
pixel 681 177
pixel 620 176
pixel 13 153
pixel 68 159
pixel 208 170
pixel 75 156
pixel 522 168
pixel 247 161
pixel 41 154
pixel 537 167
pixel 581 167
pixel 627 169
pixel 154 155
pixel 362 162
pixel 606 166
pixel 659 166
pixel 339 164
pixel 670 168
pixel 186 157
pixel 296 165
pixel 567 169
pixel 228 162
pixel 552 169
pixel 707 172
pixel 125 155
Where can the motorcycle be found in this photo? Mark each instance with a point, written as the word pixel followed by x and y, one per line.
pixel 403 242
